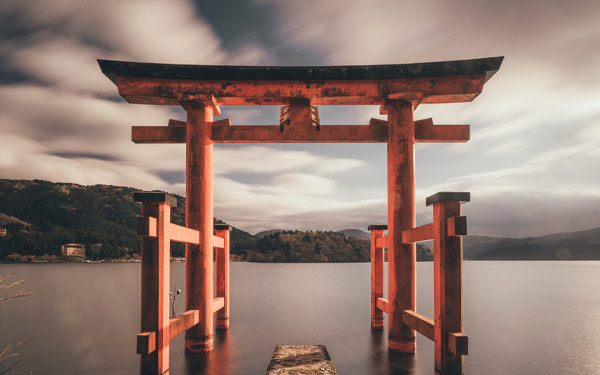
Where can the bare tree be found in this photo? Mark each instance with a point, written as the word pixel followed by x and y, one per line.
pixel 4 288
pixel 11 350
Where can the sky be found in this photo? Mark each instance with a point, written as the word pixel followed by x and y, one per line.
pixel 532 164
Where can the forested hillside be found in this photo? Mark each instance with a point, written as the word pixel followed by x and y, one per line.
pixel 40 216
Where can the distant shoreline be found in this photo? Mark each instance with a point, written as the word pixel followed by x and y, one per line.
pixel 181 260
pixel 29 259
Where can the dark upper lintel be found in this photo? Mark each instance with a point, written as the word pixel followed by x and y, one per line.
pixel 448 196
pixel 155 196
pixel 377 227
pixel 112 69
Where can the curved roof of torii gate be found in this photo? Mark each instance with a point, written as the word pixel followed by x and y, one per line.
pixel 432 82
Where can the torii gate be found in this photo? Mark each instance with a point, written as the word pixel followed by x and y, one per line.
pixel 202 89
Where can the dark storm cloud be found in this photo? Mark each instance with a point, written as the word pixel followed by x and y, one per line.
pixel 172 177
pixel 78 155
pixel 241 22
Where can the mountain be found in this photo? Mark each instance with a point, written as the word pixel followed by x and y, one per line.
pixel 580 245
pixel 356 233
pixel 267 232
pixel 40 216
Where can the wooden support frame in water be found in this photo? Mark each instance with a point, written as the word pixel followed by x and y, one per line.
pixel 451 344
pixel 157 232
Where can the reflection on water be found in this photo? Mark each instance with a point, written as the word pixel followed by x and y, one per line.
pixel 521 318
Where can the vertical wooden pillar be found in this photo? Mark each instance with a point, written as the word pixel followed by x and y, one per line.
pixel 199 216
pixel 377 260
pixel 447 263
pixel 222 266
pixel 156 254
pixel 401 216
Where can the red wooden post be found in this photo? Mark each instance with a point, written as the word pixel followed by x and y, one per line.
pixel 447 263
pixel 199 216
pixel 377 261
pixel 156 254
pixel 222 265
pixel 401 216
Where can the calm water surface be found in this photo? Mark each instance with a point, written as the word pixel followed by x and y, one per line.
pixel 521 318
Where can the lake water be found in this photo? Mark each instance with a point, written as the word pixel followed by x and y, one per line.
pixel 521 318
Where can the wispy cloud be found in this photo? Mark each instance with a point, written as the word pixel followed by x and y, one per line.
pixel 261 159
pixel 535 129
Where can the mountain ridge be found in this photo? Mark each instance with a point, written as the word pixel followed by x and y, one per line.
pixel 40 216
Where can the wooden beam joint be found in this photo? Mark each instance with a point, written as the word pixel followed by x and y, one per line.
pixel 218 303
pixel 223 122
pixel 383 305
pixel 146 341
pixel 183 322
pixel 147 226
pixel 218 242
pixel 421 233
pixel 419 323
pixel 158 134
pixel 381 242
pixel 458 343
pixel 208 100
pixel 176 122
pixel 377 122
pixel 183 234
pixel 425 131
pixel 457 226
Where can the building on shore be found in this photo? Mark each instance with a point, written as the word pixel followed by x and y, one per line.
pixel 73 250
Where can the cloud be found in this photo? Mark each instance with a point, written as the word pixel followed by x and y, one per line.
pixel 279 203
pixel 535 130
pixel 78 155
pixel 261 160
pixel 62 123
pixel 301 183
pixel 60 62
pixel 143 30
pixel 60 136
pixel 555 191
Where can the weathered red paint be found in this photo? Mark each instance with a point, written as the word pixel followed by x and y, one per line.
pixel 375 132
pixel 222 265
pixel 266 134
pixel 183 322
pixel 421 233
pixel 425 131
pixel 401 216
pixel 447 264
pixel 419 323
pixel 383 304
pixel 376 279
pixel 201 97
pixel 442 89
pixel 155 288
pixel 199 216
pixel 146 341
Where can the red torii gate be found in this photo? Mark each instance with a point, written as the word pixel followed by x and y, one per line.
pixel 202 89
